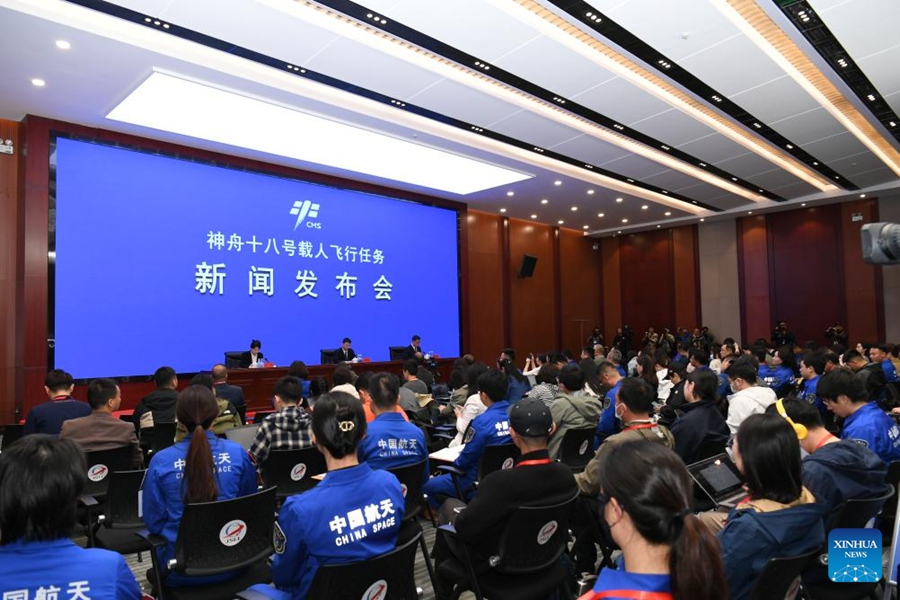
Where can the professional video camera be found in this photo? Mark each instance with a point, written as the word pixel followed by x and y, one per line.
pixel 881 243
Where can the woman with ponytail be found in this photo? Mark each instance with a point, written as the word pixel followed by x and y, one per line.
pixel 200 468
pixel 352 515
pixel 645 507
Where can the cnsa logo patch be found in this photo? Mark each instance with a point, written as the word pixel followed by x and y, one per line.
pixel 547 532
pixel 98 472
pixel 376 591
pixel 508 464
pixel 232 532
pixel 403 489
pixel 583 448
pixel 298 472
pixel 306 210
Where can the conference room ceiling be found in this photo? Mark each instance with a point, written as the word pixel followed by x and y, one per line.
pixel 624 114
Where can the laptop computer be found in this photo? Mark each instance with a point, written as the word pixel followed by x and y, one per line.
pixel 242 435
pixel 717 482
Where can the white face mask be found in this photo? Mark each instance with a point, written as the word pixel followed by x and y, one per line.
pixel 618 416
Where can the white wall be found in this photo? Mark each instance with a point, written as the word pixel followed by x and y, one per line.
pixel 719 298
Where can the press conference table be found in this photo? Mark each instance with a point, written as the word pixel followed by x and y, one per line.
pixel 258 383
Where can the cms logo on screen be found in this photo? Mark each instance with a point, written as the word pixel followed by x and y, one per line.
pixel 306 210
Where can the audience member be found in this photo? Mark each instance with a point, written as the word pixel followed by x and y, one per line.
pixel 535 481
pixel 228 417
pixel 612 379
pixel 326 524
pixel 780 376
pixel 869 373
pixel 834 470
pixel 41 478
pixel 289 428
pixel 342 381
pixel 880 354
pixel 748 398
pixel 645 508
pixel 546 388
pixel 390 441
pixel 592 385
pixel 701 421
pixel 699 359
pixel 845 395
pixel 201 468
pixel 226 391
pixel 572 409
pixel 253 356
pixel 491 428
pixel 159 405
pixel 424 375
pixel 518 384
pixel 49 416
pixel 101 430
pixel 779 517
pixel 812 367
pixel 317 387
pixel 473 406
pixel 299 370
pixel 362 388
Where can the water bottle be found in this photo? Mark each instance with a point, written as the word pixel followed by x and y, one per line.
pixel 260 363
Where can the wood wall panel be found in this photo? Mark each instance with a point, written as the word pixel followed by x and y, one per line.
pixel 485 285
pixel 611 288
pixel 579 271
pixel 647 281
pixel 532 301
pixel 806 268
pixel 862 281
pixel 10 280
pixel 753 278
pixel 686 276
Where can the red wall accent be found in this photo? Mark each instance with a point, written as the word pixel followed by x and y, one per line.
pixel 10 276
pixel 753 277
pixel 611 276
pixel 532 301
pixel 686 270
pixel 648 294
pixel 485 285
pixel 862 281
pixel 579 270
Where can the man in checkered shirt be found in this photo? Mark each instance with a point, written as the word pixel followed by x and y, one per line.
pixel 289 428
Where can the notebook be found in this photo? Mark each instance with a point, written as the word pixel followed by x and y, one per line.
pixel 242 435
pixel 717 480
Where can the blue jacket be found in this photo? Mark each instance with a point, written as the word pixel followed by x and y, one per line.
pixel 631 584
pixel 163 493
pixel 751 538
pixel 392 441
pixel 607 425
pixel 841 471
pixel 516 389
pixel 700 421
pixel 490 428
pixel 62 567
pixel 776 378
pixel 876 429
pixel 48 417
pixel 890 372
pixel 353 514
pixel 808 393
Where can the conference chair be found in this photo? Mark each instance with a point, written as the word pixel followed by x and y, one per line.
pixel 389 576
pixel 261 415
pixel 411 478
pixel 855 514
pixel 396 353
pixel 781 577
pixel 577 448
pixel 889 510
pixel 710 447
pixel 233 359
pixel 11 433
pixel 493 458
pixel 216 538
pixel 528 563
pixel 160 436
pixel 117 528
pixel 326 356
pixel 292 471
pixel 100 465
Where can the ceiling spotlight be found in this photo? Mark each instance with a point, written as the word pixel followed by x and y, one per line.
pixel 560 221
pixel 38 82
pixel 803 204
pixel 557 182
pixel 510 193
pixel 63 44
pixel 618 199
pixel 644 207
pixel 590 192
pixel 534 216
pixel 586 227
pixel 749 212
pixel 601 215
pixel 544 201
pixel 624 220
pixel 668 214
pixel 862 195
pixel 658 226
pixel 701 220
pixel 503 210
pixel 574 208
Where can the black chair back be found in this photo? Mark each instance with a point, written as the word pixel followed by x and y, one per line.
pixel 162 435
pixel 260 416
pixel 387 577
pixel 781 577
pixel 710 448
pixel 410 478
pixel 216 537
pixel 495 458
pixel 292 470
pixel 121 510
pixel 233 359
pixel 11 433
pixel 857 512
pixel 577 448
pixel 534 538
pixel 101 464
pixel 396 353
pixel 327 356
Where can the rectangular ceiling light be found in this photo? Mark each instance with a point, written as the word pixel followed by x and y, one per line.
pixel 196 110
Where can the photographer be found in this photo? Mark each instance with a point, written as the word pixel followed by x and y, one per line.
pixel 837 335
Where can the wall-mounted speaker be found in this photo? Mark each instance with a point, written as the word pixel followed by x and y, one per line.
pixel 526 269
